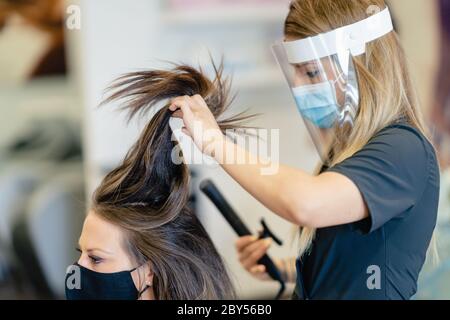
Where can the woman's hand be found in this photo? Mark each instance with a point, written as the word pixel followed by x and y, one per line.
pixel 250 250
pixel 199 122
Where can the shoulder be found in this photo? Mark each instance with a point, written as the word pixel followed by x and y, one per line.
pixel 401 133
pixel 392 171
pixel 398 150
pixel 402 142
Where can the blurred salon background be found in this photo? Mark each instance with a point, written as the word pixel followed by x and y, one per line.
pixel 58 56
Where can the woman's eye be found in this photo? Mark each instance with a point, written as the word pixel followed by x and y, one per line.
pixel 312 74
pixel 95 260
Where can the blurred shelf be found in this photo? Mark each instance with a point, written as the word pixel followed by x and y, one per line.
pixel 226 15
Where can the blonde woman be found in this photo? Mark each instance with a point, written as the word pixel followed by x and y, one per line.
pixel 367 218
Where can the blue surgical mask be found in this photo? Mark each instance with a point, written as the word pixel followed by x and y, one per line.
pixel 318 103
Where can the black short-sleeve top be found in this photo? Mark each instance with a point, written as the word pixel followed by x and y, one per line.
pixel 397 174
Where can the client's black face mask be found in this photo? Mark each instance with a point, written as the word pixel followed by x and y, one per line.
pixel 90 285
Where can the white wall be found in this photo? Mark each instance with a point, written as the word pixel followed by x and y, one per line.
pixel 109 43
pixel 417 22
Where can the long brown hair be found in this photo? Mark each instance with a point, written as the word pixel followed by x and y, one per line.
pixel 386 91
pixel 147 195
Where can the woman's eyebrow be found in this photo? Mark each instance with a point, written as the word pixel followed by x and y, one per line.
pixel 101 250
pixel 96 249
pixel 305 64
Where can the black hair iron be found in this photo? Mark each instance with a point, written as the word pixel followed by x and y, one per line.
pixel 211 191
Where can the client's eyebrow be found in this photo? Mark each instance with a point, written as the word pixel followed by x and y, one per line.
pixel 96 249
pixel 101 250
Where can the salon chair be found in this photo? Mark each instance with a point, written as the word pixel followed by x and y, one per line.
pixel 56 139
pixel 26 163
pixel 17 183
pixel 45 234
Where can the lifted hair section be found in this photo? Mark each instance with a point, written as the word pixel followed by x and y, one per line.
pixel 147 194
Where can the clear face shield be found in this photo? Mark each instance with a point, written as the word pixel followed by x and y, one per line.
pixel 323 80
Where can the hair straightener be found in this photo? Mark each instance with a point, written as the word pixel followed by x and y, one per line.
pixel 211 191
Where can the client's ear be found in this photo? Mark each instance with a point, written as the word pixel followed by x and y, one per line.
pixel 148 274
pixel 143 276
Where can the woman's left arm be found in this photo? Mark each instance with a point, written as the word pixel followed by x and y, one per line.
pixel 326 200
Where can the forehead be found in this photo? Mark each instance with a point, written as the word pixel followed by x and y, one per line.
pixel 100 234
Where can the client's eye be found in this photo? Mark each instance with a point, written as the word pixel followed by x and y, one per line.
pixel 95 260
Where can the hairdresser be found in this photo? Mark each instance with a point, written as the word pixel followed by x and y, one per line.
pixel 367 217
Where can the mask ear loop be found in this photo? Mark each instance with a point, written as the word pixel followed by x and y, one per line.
pixel 339 66
pixel 147 286
pixel 333 84
pixel 145 289
pixel 338 79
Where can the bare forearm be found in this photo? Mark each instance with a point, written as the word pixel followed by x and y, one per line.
pixel 329 199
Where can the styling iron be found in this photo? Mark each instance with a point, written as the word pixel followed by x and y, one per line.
pixel 211 191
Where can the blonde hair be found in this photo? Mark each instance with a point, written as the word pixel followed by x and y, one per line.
pixel 386 90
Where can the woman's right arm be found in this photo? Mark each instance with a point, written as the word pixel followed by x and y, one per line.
pixel 250 250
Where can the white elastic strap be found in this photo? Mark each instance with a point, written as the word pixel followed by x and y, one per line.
pixel 353 37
